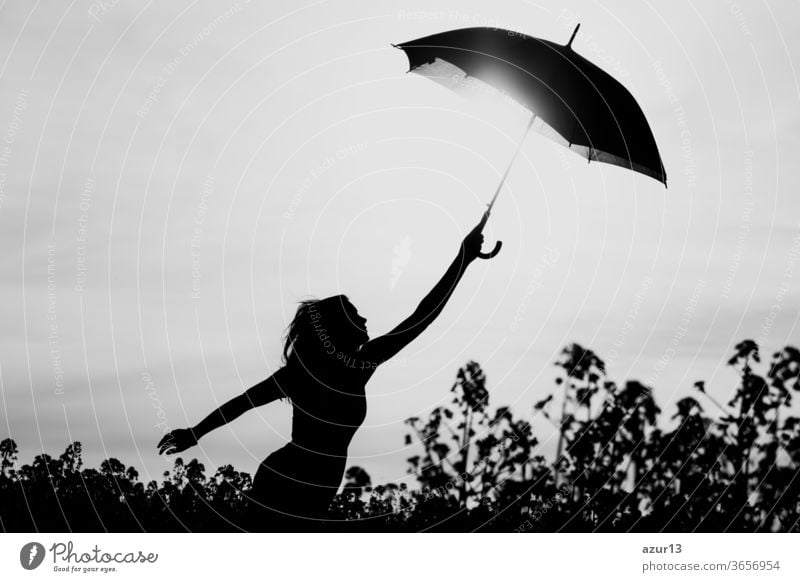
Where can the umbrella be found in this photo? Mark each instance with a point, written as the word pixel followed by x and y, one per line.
pixel 572 101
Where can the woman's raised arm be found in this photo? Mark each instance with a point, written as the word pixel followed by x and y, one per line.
pixel 384 347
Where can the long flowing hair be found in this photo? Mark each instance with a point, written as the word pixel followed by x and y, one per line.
pixel 310 337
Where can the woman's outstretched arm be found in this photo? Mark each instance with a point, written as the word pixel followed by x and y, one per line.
pixel 262 393
pixel 382 348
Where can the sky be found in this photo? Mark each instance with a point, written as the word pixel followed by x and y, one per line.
pixel 175 177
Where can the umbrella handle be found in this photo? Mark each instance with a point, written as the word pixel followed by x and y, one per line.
pixel 492 253
pixel 497 245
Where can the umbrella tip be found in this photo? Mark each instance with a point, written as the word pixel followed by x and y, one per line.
pixel 574 32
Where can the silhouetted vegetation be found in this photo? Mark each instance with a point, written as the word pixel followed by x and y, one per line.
pixel 620 465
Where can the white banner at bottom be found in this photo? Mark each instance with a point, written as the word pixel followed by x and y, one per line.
pixel 424 557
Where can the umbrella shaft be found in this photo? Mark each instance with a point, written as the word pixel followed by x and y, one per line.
pixel 511 163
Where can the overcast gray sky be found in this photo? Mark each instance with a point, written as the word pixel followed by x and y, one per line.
pixel 174 177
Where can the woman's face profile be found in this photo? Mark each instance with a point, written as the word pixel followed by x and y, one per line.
pixel 353 325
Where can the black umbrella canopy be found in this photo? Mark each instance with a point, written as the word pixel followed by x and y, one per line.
pixel 577 103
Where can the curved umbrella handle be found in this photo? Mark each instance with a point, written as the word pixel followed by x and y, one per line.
pixel 493 253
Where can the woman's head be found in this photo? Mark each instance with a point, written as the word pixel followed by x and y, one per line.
pixel 324 328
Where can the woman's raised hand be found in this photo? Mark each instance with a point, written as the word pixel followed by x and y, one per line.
pixel 177 441
pixel 471 246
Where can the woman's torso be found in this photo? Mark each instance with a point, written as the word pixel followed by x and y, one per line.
pixel 328 409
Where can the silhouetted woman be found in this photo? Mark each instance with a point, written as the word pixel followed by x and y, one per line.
pixel 328 360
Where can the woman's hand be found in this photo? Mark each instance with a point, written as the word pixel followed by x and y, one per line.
pixel 472 243
pixel 177 441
